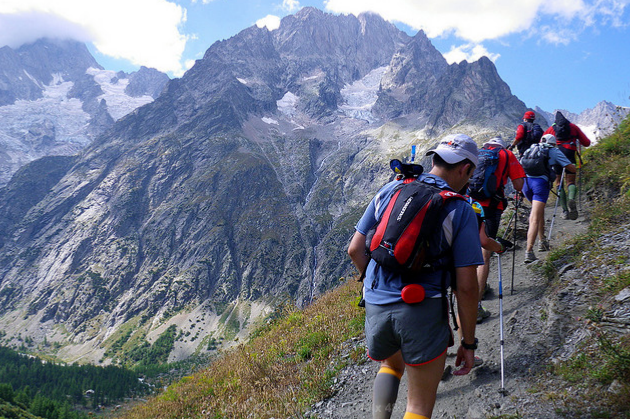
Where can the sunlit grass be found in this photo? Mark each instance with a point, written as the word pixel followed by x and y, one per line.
pixel 603 358
pixel 281 372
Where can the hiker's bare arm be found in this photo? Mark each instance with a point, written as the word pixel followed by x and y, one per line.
pixel 467 294
pixel 488 243
pixel 356 250
pixel 518 183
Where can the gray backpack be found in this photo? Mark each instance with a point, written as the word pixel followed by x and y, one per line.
pixel 535 160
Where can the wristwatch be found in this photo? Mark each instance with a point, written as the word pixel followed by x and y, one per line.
pixel 470 346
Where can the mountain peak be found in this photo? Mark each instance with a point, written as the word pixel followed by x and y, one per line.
pixel 308 12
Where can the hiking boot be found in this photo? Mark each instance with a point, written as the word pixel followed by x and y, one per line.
pixel 486 290
pixel 543 246
pixel 482 313
pixel 573 212
pixel 530 257
pixel 565 215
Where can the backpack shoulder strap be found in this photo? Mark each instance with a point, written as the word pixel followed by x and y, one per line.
pixel 504 172
pixel 447 194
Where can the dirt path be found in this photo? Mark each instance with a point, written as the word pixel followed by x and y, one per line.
pixel 525 317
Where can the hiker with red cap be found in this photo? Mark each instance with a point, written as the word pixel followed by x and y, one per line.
pixel 568 138
pixel 527 133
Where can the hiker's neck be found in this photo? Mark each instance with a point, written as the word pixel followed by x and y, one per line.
pixel 451 177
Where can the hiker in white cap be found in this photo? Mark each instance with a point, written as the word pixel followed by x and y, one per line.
pixel 414 337
pixel 496 165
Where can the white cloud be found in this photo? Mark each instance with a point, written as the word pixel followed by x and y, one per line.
pixel 557 36
pixel 290 5
pixel 19 28
pixel 471 20
pixel 144 32
pixel 188 64
pixel 470 53
pixel 270 21
pixel 479 20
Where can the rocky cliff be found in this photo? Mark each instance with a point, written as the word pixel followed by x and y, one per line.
pixel 236 189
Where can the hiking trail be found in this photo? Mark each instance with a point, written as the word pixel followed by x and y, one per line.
pixel 533 328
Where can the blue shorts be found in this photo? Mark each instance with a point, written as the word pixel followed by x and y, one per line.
pixel 536 189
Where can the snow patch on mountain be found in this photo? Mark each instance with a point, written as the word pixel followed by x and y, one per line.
pixel 66 124
pixel 360 96
pixel 288 104
pixel 270 121
pixel 118 102
pixel 70 119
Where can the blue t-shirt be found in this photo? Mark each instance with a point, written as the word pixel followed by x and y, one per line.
pixel 459 231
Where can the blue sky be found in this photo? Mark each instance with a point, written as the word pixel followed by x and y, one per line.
pixel 556 54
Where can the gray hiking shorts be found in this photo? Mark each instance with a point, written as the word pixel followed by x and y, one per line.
pixel 421 331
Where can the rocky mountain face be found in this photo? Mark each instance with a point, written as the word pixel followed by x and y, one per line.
pixel 236 189
pixel 596 123
pixel 55 99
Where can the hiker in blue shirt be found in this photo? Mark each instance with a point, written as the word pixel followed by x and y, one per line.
pixel 536 190
pixel 415 337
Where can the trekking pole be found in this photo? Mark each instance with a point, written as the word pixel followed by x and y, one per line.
pixel 556 207
pixel 516 198
pixel 507 231
pixel 502 390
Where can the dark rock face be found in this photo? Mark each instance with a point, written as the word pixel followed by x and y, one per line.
pixel 31 66
pixel 420 81
pixel 242 180
pixel 146 81
pixel 47 57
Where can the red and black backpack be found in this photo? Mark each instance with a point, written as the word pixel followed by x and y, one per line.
pixel 400 240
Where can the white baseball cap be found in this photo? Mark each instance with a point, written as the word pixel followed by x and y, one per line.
pixel 549 139
pixel 455 148
pixel 496 141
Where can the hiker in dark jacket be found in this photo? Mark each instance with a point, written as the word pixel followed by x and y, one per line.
pixel 415 337
pixel 568 137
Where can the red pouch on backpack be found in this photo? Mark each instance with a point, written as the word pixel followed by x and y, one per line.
pixel 412 293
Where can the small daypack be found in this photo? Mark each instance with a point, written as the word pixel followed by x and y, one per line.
pixel 535 160
pixel 400 240
pixel 533 134
pixel 484 181
pixel 562 128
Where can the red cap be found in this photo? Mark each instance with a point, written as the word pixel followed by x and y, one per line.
pixel 529 115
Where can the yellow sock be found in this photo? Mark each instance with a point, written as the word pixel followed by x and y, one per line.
pixel 386 370
pixel 409 415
